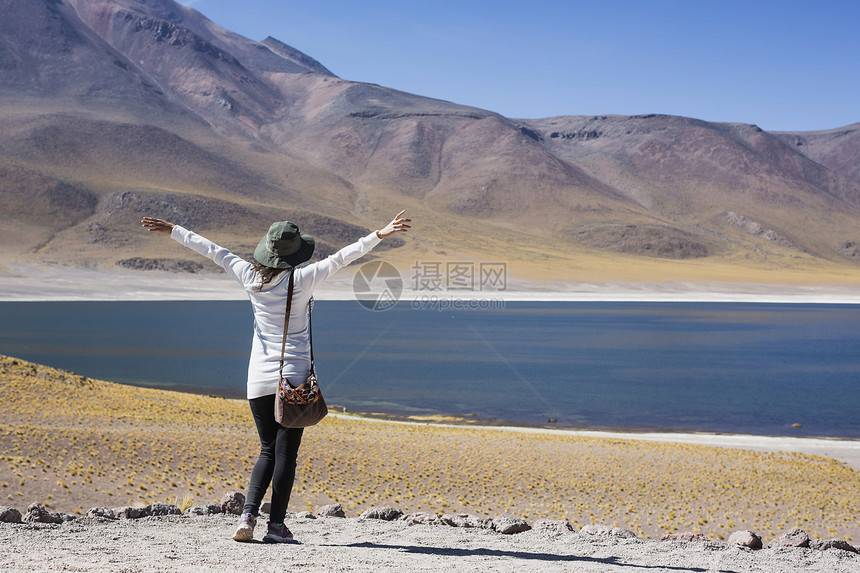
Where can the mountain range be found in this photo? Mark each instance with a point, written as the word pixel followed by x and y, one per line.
pixel 112 109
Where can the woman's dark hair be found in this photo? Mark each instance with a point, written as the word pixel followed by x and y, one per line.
pixel 266 273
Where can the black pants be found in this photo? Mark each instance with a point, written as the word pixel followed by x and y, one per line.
pixel 279 448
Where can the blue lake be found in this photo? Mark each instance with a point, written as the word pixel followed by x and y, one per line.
pixel 746 368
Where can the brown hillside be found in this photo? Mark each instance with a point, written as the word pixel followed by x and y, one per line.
pixel 836 149
pixel 116 108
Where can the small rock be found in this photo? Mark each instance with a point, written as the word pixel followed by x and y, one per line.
pixel 103 512
pixel 37 513
pixel 793 538
pixel 422 518
pixel 384 513
pixel 745 538
pixel 9 515
pixel 129 512
pixel 331 510
pixel 462 520
pixel 266 507
pixel 509 524
pixel 305 515
pixel 822 545
pixel 67 516
pixel 232 502
pixel 606 531
pixel 557 526
pixel 686 536
pixel 159 509
pixel 596 529
pixel 210 509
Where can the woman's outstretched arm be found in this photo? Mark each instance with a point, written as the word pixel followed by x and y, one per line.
pixel 313 275
pixel 238 268
pixel 156 225
pixel 398 225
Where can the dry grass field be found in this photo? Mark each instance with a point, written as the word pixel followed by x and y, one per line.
pixel 74 443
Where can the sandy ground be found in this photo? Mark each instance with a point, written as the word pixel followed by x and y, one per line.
pixel 25 283
pixel 202 544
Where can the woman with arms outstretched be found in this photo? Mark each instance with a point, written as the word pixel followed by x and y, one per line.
pixel 279 253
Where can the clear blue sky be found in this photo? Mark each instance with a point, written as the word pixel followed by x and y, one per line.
pixel 784 65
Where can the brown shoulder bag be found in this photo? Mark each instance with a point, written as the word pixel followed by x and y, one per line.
pixel 303 405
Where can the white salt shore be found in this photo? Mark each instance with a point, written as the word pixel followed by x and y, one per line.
pixel 26 283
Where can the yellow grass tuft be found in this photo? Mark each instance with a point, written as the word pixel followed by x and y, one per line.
pixel 186 502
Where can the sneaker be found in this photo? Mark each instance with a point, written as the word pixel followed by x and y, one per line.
pixel 245 532
pixel 278 533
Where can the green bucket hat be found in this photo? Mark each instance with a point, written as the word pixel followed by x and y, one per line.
pixel 284 247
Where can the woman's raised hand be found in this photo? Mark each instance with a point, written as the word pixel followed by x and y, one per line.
pixel 156 225
pixel 398 225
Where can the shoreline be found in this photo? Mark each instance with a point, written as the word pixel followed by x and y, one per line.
pixel 19 282
pixel 843 449
pixel 446 420
pixel 846 450
pixel 848 447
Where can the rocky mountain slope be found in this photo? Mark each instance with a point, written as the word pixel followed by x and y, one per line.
pixel 114 108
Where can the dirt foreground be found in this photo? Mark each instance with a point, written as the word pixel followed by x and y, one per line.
pixel 203 544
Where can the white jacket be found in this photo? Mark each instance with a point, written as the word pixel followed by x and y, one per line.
pixel 269 306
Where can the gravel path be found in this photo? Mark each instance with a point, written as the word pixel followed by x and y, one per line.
pixel 202 543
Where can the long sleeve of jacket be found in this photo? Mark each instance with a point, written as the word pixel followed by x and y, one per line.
pixel 268 306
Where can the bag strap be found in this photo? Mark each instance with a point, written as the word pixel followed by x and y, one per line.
pixel 286 324
pixel 290 285
pixel 311 332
